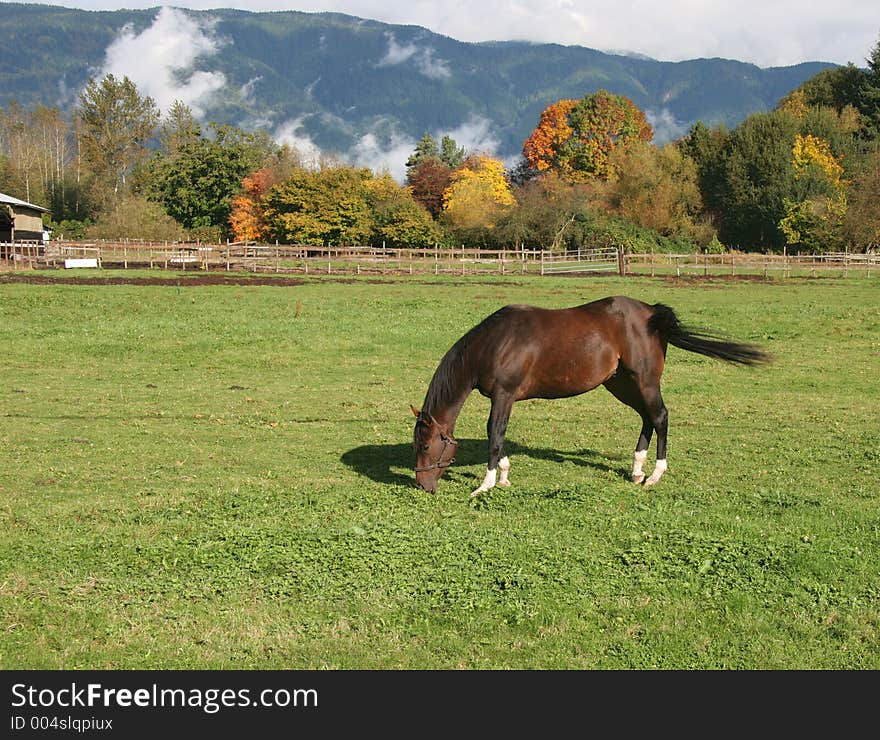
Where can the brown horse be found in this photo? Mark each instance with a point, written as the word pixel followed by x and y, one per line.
pixel 522 352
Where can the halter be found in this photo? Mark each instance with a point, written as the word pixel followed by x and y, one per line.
pixel 438 463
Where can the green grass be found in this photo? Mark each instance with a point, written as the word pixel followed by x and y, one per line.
pixel 219 477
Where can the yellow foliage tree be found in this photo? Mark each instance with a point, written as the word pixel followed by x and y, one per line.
pixel 478 194
pixel 808 151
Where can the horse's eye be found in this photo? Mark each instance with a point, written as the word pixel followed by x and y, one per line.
pixel 424 448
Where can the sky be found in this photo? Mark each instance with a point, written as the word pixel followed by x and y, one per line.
pixel 764 32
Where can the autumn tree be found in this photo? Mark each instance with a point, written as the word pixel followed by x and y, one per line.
pixel 861 223
pixel 477 196
pixel 657 188
pixel 428 170
pixel 814 215
pixel 247 219
pixel 577 137
pixel 324 207
pixel 541 149
pixel 428 180
pixel 116 124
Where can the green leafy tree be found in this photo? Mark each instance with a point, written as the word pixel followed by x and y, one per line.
pixel 835 87
pixel 116 122
pixel 196 181
pixel 550 213
pixel 179 129
pixel 758 176
pixel 399 221
pixel 707 147
pixel 426 149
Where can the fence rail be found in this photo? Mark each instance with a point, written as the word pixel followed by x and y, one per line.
pixel 582 260
pixel 298 258
pixel 733 264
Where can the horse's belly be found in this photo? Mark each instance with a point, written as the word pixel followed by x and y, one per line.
pixel 570 376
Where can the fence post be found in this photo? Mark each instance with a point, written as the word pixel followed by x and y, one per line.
pixel 542 261
pixel 621 260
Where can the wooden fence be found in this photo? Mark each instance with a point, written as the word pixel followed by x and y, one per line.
pixel 733 264
pixel 380 260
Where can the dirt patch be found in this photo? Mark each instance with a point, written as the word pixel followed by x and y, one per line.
pixel 195 280
pixel 208 278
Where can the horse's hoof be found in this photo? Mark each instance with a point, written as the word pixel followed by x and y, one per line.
pixel 476 493
pixel 638 479
pixel 505 483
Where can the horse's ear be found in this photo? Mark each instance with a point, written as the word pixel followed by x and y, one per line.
pixel 415 411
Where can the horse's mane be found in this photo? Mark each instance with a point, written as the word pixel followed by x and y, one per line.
pixel 455 372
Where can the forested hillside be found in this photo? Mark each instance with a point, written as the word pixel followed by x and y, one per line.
pixel 340 78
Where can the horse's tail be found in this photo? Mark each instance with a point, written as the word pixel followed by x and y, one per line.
pixel 665 323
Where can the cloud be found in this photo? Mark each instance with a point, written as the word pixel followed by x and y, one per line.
pixel 247 90
pixel 161 60
pixel 666 127
pixel 475 135
pixel 293 134
pixel 369 152
pixel 423 58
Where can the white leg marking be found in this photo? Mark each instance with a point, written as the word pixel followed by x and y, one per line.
pixel 659 469
pixel 639 459
pixel 488 482
pixel 504 470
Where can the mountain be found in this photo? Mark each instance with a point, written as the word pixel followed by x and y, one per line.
pixel 357 87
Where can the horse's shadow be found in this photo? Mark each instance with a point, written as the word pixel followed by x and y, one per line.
pixel 382 462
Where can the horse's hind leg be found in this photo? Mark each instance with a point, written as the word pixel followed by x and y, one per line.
pixel 659 418
pixel 648 403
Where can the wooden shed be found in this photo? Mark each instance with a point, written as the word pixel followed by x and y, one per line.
pixel 20 220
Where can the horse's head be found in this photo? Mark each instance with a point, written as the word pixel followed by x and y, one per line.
pixel 435 450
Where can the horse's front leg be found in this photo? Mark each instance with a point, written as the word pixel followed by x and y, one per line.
pixel 496 428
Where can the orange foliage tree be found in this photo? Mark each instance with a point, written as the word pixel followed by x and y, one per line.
pixel 247 218
pixel 576 137
pixel 553 129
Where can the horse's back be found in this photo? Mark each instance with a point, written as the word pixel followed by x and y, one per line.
pixel 535 352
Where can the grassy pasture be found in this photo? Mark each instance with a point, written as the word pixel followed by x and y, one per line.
pixel 219 477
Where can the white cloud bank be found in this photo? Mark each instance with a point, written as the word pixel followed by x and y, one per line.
pixel 422 57
pixel 161 61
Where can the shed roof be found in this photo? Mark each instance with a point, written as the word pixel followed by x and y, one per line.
pixel 18 202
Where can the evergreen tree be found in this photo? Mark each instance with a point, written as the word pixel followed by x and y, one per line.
pixel 425 149
pixel 869 94
pixel 452 155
